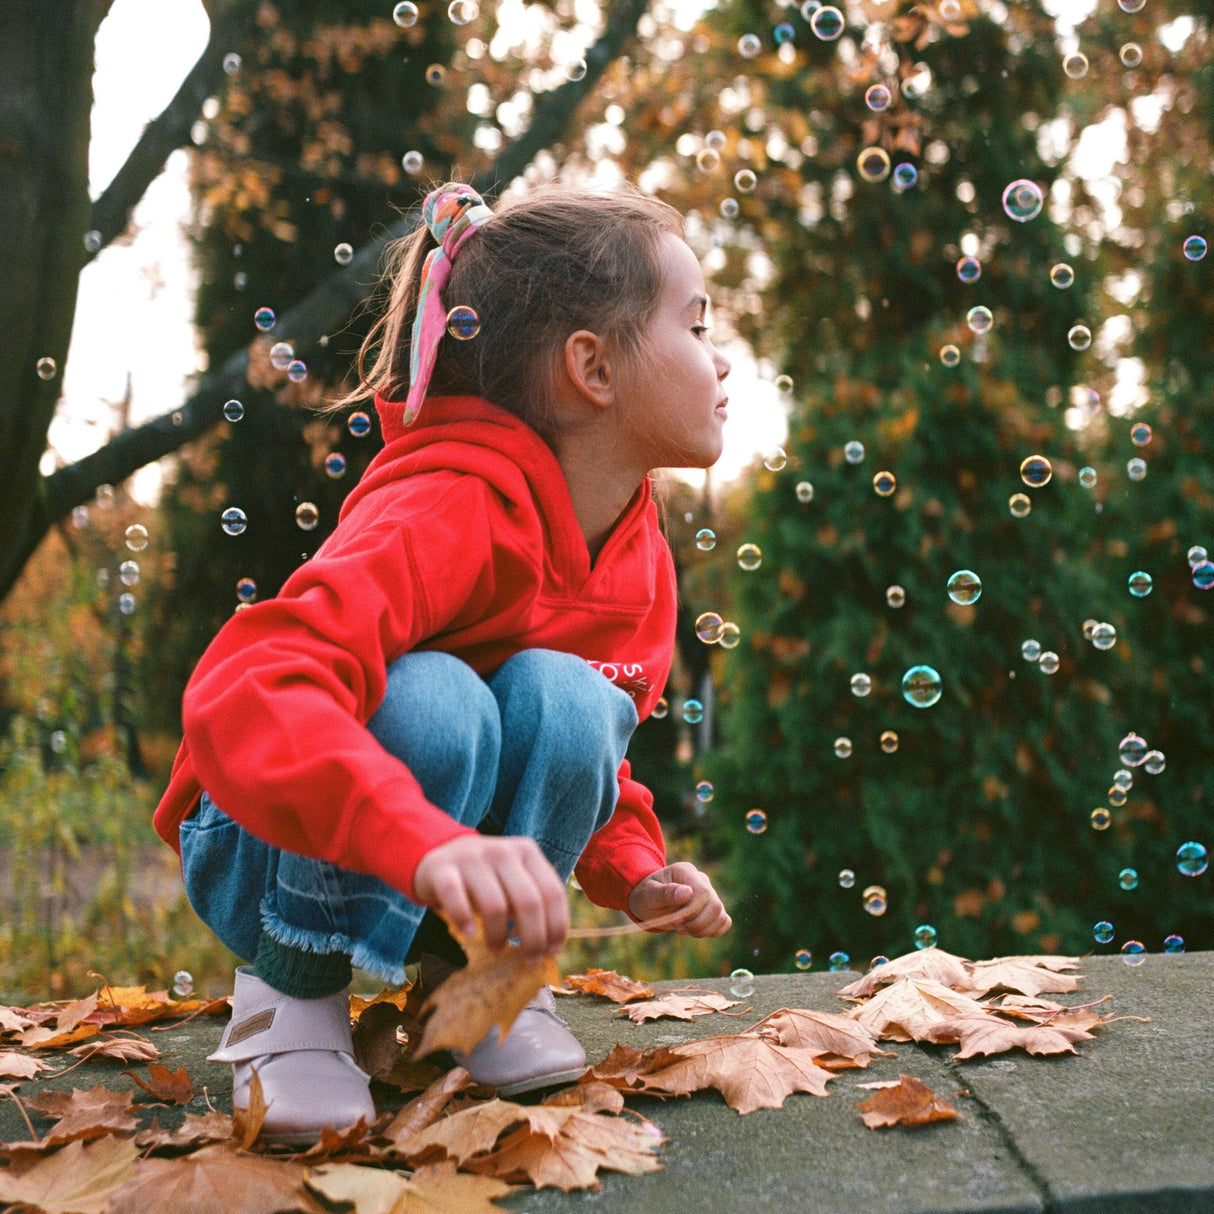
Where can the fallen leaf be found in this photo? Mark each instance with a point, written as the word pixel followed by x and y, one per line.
pixel 933 964
pixel 215 1180
pixel 476 1130
pixel 1025 975
pixel 246 1122
pixel 678 1007
pixel 125 1049
pixel 621 1068
pixel 82 1114
pixel 989 1034
pixel 592 1095
pixel 491 989
pixel 174 1086
pixel 822 1033
pixel 42 1038
pixel 79 1179
pixel 194 1129
pixel 13 1020
pixel 906 1010
pixel 19 1066
pixel 436 1189
pixel 908 1103
pixel 426 1109
pixel 350 1141
pixel 399 998
pixel 382 1036
pixel 609 984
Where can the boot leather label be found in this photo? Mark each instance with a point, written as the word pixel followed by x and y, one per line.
pixel 251 1027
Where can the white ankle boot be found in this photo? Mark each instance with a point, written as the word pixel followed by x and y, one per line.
pixel 539 1052
pixel 303 1054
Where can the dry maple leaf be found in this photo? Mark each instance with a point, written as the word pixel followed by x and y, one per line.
pixel 621 1068
pixel 215 1180
pixel 678 1007
pixel 246 1122
pixel 610 985
pixel 194 1130
pixel 82 1114
pixel 400 997
pixel 490 990
pixel 19 1066
pixel 986 1033
pixel 909 1102
pixel 427 1108
pixel 436 1189
pixel 14 1020
pixel 1024 975
pixel 591 1095
pixel 931 963
pixel 125 1049
pixel 1046 1011
pixel 79 1179
pixel 907 1010
pixel 174 1086
pixel 476 1130
pixel 822 1033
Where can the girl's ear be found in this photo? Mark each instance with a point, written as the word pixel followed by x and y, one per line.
pixel 589 368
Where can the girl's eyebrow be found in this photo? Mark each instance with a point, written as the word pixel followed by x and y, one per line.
pixel 699 302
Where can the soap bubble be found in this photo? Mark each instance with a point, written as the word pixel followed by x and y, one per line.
pixel 46 368
pixel 827 23
pixel 783 33
pixel 183 984
pixel 233 520
pixel 1019 505
pixel 246 589
pixel 969 269
pixel 1030 650
pixel 693 712
pixel 1061 275
pixel 889 741
pixel 1196 554
pixel 878 961
pixel 1049 662
pixel 1123 779
pixel 264 319
pixel 1117 797
pixel 708 627
pixel 861 684
pixel 1132 952
pixel 905 175
pixel 839 962
pixel 405 14
pixel 576 69
pixel 93 241
pixel 1104 636
pixel 1075 65
pixel 233 410
pixel 1023 200
pixel 745 181
pixel 232 63
pixel 750 557
pixel 979 319
pixel 704 792
pixel 805 491
pixel 1035 471
pixel 925 936
pixel 1195 248
pixel 462 12
pixel 436 74
pixel 1100 818
pixel 874 900
pixel 1140 434
pixel 741 983
pixel 884 483
pixel 1155 762
pixel 463 323
pixel 895 596
pixel 359 424
pixel 756 821
pixel 749 46
pixel 1127 879
pixel 281 353
pixel 1173 944
pixel 307 516
pixel 413 162
pixel 706 539
pixel 950 356
pixel 1203 575
pixel 964 587
pixel 843 748
pixel 873 164
pixel 1087 477
pixel 1136 469
pixel 921 686
pixel 1103 932
pixel 1130 54
pixel 853 452
pixel 1191 859
pixel 335 465
pixel 715 140
pixel 783 383
pixel 775 460
pixel 803 958
pixel 136 536
pixel 1132 749
pixel 1079 337
pixel 731 634
pixel 877 97
pixel 660 709
pixel 343 253
pixel 847 878
pixel 126 603
pixel 1140 584
pixel 729 208
pixel 297 370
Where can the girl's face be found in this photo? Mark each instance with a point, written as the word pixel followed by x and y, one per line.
pixel 673 407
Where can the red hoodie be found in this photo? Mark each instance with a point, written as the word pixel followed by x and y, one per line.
pixel 461 538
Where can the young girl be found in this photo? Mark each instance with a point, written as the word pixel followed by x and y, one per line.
pixel 435 709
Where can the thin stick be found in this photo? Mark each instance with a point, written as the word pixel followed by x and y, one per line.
pixel 8 1091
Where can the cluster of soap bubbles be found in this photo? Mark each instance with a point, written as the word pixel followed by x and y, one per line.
pixel 713 630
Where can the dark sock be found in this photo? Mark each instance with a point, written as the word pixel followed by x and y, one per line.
pixel 434 938
pixel 299 973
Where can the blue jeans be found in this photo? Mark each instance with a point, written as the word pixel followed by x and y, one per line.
pixel 532 750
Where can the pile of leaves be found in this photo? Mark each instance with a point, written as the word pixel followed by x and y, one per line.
pixel 456 1146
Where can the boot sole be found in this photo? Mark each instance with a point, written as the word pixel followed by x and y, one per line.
pixel 555 1079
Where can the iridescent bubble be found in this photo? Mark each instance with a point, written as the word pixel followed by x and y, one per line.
pixel 706 539
pixel 1104 636
pixel 1103 932
pixel 1061 275
pixel 1036 471
pixel 1087 477
pixel 950 10
pixel 1195 247
pixel 749 46
pixel 693 712
pixel 576 69
pixel 1127 879
pixel 965 587
pixel 979 319
pixel 884 484
pixel 874 900
pixel 805 491
pixel 861 684
pixel 660 709
pixel 1132 750
pixel 1203 575
pixel 1154 762
pixel 704 792
pixel 246 590
pixel 921 686
pixel 1123 779
pixel 873 164
pixel 877 97
pixel 297 370
pixel 1023 200
pixel 708 627
pixel 46 367
pixel 750 557
pixel 1192 859
pixel 756 821
pixel 343 253
pixel 1075 65
pixel 1130 54
pixel 1136 469
pixel 1173 944
pixel 775 460
pixel 783 383
pixel 905 175
pixel 895 596
pixel 925 936
pixel 463 323
pixel 889 741
pixel 307 516
pixel 803 958
pixel 413 162
pixel 461 12
pixel 232 63
pixel 1019 505
pixel 853 452
pixel 708 159
pixel 405 14
pixel 745 181
pixel 183 984
pixel 1079 337
pixel 969 269
pixel 335 465
pixel 233 410
pixel 281 353
pixel 233 520
pixel 1140 584
pixel 839 962
pixel 1030 650
pixel 1117 797
pixel 1140 434
pixel 847 878
pixel 1100 818
pixel 1195 555
pixel 731 634
pixel 729 208
pixel 878 961
pixel 783 33
pixel 136 536
pixel 1049 662
pixel 1132 952
pixel 843 748
pixel 741 983
pixel 950 356
pixel 80 520
pixel 128 573
pixel 715 140
pixel 827 23
pixel 264 319
pixel 93 241
pixel 359 424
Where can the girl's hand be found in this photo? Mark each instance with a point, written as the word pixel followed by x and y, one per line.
pixel 680 887
pixel 503 880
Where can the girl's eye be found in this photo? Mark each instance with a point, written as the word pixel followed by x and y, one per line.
pixel 699 330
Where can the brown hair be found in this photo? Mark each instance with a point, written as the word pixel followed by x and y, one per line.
pixel 548 263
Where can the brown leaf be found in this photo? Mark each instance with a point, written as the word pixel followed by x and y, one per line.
pixel 42 1038
pixel 246 1122
pixel 907 1010
pixel 399 998
pixel 14 1020
pixel 436 1189
pixel 19 1066
pixel 382 1036
pixel 985 1033
pixel 592 1095
pixel 82 1114
pixel 215 1180
pixel 426 1109
pixel 609 984
pixel 623 1067
pixel 476 1130
pixel 822 1033
pixel 125 1049
pixel 78 1179
pixel 678 1007
pixel 491 989
pixel 1025 975
pixel 350 1141
pixel 411 1074
pixel 932 963
pixel 908 1103
pixel 194 1129
pixel 174 1086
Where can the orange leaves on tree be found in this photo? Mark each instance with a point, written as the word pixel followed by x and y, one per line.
pixel 908 1102
pixel 610 985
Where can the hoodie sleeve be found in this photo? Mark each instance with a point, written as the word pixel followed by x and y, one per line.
pixel 275 712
